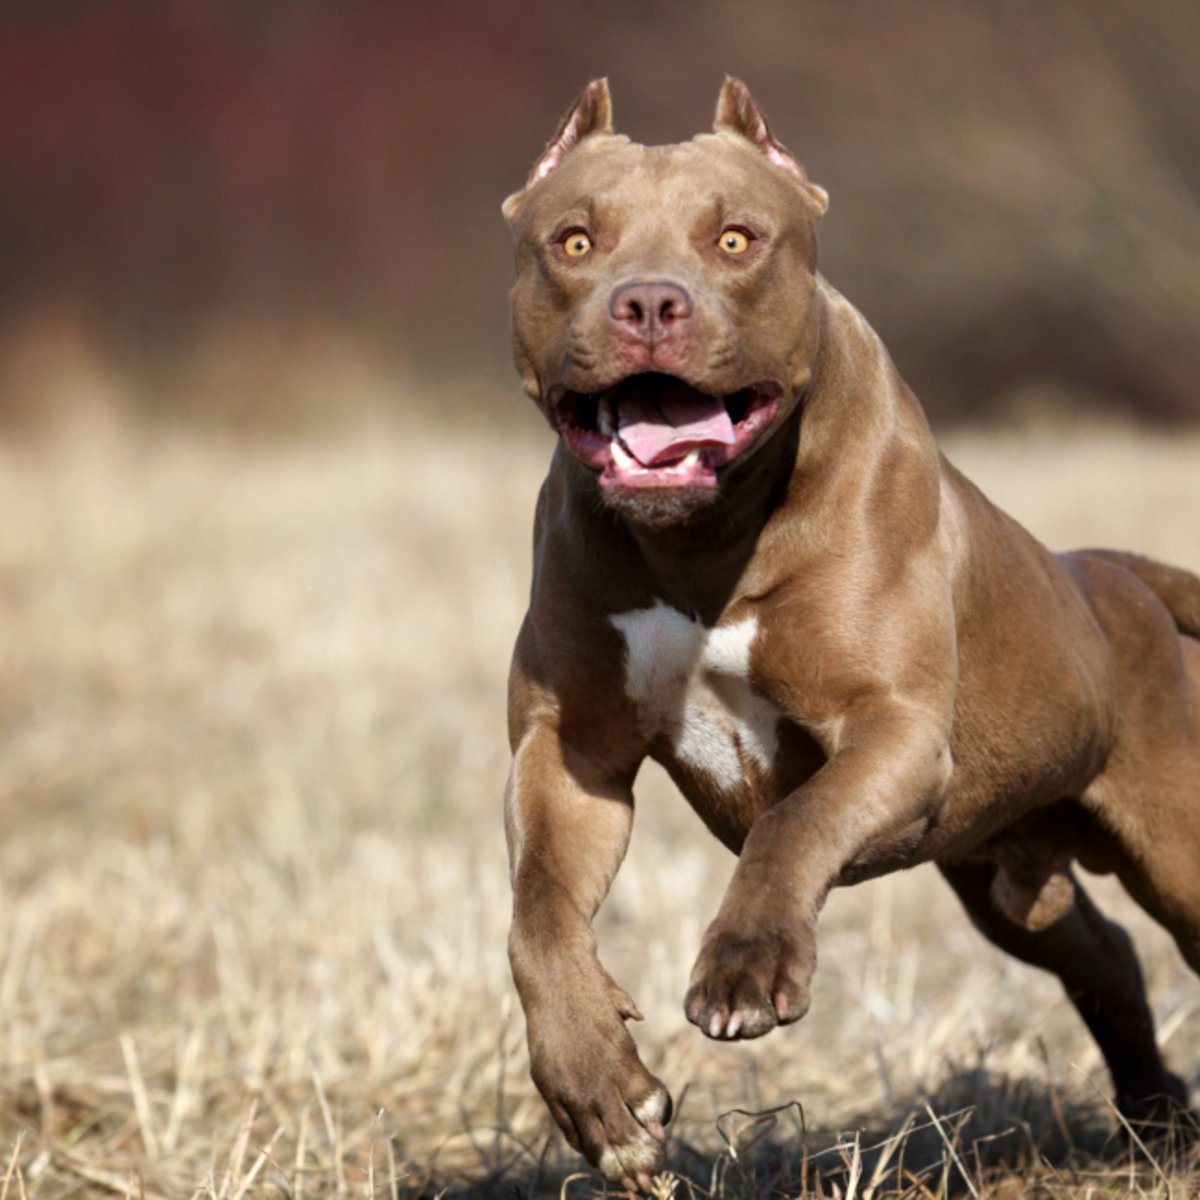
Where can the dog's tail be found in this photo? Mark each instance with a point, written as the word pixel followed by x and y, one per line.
pixel 1178 589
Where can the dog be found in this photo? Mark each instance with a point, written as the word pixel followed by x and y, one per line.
pixel 753 565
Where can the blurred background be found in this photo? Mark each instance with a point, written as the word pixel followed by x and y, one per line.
pixel 261 213
pixel 267 479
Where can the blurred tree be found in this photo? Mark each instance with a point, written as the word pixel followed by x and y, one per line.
pixel 1016 186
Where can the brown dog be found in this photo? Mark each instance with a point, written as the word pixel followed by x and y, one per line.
pixel 753 565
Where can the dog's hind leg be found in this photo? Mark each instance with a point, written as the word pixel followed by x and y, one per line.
pixel 1166 883
pixel 1160 863
pixel 1147 798
pixel 1149 802
pixel 1094 959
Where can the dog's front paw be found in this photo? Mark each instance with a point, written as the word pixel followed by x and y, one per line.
pixel 611 1109
pixel 743 985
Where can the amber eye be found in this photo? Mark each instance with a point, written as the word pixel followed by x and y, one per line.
pixel 577 244
pixel 734 241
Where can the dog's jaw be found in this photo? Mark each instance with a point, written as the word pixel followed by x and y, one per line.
pixel 637 442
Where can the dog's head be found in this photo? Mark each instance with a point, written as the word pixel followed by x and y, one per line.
pixel 663 310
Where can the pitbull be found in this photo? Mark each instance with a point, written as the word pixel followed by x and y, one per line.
pixel 753 565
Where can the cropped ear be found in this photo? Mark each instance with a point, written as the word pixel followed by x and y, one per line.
pixel 738 114
pixel 591 113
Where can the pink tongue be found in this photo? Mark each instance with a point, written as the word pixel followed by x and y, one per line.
pixel 664 427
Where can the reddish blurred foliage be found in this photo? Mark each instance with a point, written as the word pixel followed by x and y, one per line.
pixel 1016 186
pixel 165 163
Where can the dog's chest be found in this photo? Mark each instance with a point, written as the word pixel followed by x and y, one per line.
pixel 690 684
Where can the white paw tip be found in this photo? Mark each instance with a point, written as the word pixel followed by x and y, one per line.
pixel 631 1158
pixel 650 1110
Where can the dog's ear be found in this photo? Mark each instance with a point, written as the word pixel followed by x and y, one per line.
pixel 591 113
pixel 738 114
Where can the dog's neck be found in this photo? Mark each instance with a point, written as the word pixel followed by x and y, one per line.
pixel 696 565
pixel 816 466
pixel 863 434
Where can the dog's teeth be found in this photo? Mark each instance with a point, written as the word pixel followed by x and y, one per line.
pixel 623 460
pixel 605 417
pixel 691 459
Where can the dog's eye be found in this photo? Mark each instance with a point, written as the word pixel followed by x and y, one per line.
pixel 734 241
pixel 576 244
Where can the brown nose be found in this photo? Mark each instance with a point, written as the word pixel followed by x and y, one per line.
pixel 650 310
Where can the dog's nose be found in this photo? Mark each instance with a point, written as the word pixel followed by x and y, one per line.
pixel 650 310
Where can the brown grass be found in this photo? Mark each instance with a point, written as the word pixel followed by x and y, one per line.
pixel 253 897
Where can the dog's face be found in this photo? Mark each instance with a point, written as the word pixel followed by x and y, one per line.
pixel 662 315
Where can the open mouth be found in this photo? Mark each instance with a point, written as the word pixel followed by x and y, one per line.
pixel 655 431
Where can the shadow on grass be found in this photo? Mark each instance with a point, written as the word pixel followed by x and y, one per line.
pixel 980 1134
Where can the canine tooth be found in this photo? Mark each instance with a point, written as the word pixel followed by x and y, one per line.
pixel 691 458
pixel 623 460
pixel 605 417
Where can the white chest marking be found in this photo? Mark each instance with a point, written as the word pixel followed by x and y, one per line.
pixel 691 684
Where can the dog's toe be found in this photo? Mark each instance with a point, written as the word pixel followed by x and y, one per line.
pixel 742 987
pixel 633 1153
pixel 654 1113
pixel 631 1161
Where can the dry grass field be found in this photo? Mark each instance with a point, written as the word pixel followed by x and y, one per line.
pixel 253 895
